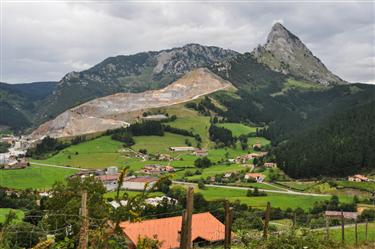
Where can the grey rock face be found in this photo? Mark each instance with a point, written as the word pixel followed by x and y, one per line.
pixel 117 110
pixel 285 53
pixel 132 73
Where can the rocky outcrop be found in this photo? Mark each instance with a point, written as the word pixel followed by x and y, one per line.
pixel 284 52
pixel 117 110
pixel 129 73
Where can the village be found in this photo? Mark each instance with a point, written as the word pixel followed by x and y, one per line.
pixel 163 173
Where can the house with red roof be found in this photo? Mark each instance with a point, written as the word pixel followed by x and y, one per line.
pixel 255 176
pixel 205 229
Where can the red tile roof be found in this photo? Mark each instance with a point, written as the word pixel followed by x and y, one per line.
pixel 204 226
pixel 108 177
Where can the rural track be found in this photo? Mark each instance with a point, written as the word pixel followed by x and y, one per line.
pixel 246 188
pixel 56 166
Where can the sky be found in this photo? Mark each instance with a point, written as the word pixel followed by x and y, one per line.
pixel 42 40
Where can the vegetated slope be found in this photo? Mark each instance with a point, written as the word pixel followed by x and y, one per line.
pixel 342 145
pixel 131 73
pixel 115 110
pixel 20 101
pixel 286 111
pixel 285 52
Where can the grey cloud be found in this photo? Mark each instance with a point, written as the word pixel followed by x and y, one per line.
pixel 43 41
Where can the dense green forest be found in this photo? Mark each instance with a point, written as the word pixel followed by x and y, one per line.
pixel 342 145
pixel 289 113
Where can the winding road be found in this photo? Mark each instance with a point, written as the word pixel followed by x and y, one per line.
pixel 287 192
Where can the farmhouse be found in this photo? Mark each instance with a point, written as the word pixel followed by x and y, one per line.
pixel 20 163
pixel 200 152
pixel 257 145
pixel 139 183
pixel 358 178
pixel 270 165
pixel 165 157
pixel 156 169
pixel 255 176
pixel 205 228
pixel 160 199
pixel 184 148
pixel 109 181
pixel 338 214
pixel 244 158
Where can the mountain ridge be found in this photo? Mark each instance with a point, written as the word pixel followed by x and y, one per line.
pixel 117 110
pixel 286 53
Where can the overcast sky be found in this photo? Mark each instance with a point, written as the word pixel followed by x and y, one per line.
pixel 43 40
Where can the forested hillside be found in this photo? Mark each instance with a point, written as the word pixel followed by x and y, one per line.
pixel 342 145
pixel 20 101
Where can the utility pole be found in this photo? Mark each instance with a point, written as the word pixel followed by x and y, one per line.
pixel 266 220
pixel 228 225
pixel 187 220
pixel 83 237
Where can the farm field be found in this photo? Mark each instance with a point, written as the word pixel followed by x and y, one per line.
pixel 97 153
pixel 368 186
pixel 212 171
pixel 160 144
pixel 350 234
pixel 301 186
pixel 36 177
pixel 237 129
pixel 5 211
pixel 192 121
pixel 282 201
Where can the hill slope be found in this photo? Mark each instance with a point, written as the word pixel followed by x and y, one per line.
pixel 132 73
pixel 344 143
pixel 285 52
pixel 20 101
pixel 115 110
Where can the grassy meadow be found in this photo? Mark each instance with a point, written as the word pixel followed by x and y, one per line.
pixel 282 201
pixel 36 177
pixel 237 129
pixel 5 211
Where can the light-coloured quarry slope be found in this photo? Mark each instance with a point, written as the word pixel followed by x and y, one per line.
pixel 117 110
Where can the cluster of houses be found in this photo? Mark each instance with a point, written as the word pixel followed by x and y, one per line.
pixel 15 158
pixel 154 201
pixel 156 169
pixel 195 151
pixel 227 177
pixel 358 178
pixel 110 178
pixel 242 159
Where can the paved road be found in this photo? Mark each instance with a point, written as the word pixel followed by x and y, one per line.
pixel 55 166
pixel 245 188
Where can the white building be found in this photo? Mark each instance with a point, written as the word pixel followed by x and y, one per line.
pixel 139 183
pixel 183 148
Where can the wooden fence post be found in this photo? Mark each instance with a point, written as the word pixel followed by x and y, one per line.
pixel 83 238
pixel 266 220
pixel 356 232
pixel 183 230
pixel 327 227
pixel 187 218
pixel 342 227
pixel 228 225
pixel 366 230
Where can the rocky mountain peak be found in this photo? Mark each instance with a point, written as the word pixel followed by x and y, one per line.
pixel 286 53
